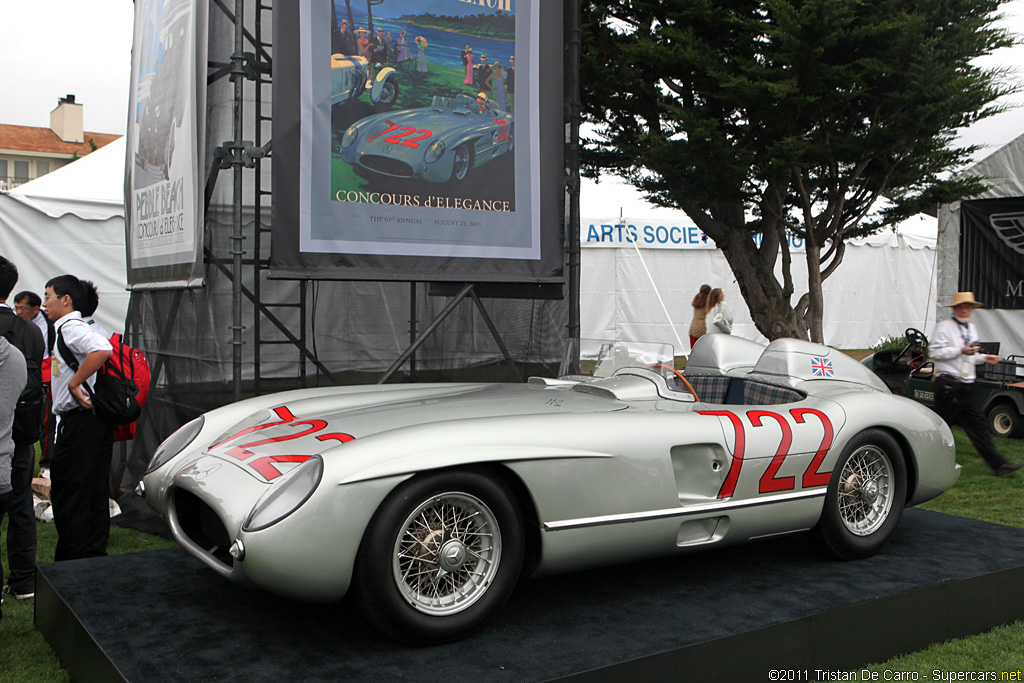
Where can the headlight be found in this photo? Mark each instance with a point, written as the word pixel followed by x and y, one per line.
pixel 175 443
pixel 435 151
pixel 286 495
pixel 349 138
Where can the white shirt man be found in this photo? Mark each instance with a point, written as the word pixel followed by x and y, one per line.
pixel 80 464
pixel 954 350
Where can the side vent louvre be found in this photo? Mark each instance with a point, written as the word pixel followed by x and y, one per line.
pixel 595 391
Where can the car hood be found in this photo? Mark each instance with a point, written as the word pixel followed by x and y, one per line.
pixel 298 422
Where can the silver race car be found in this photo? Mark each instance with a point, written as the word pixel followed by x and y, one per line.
pixel 427 502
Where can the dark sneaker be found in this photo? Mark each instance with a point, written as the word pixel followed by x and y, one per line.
pixel 1007 468
pixel 17 596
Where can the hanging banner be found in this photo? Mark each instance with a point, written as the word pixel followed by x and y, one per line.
pixel 166 123
pixel 992 251
pixel 420 142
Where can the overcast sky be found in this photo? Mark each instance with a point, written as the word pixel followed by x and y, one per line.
pixel 53 48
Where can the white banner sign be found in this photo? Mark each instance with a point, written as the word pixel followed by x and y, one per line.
pixel 618 233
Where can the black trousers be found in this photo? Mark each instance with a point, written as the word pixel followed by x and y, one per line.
pixel 79 485
pixel 5 502
pixel 957 403
pixel 21 522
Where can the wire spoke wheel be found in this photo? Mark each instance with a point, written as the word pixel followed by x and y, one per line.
pixel 441 556
pixel 447 553
pixel 461 163
pixel 865 490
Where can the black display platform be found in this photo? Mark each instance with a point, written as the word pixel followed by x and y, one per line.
pixel 724 615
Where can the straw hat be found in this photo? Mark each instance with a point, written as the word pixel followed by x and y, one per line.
pixel 965 298
pixel 482 95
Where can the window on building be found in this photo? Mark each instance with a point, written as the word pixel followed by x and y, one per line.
pixel 21 171
pixel 3 169
pixel 42 168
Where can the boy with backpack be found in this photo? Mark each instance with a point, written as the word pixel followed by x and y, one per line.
pixel 80 465
pixel 27 427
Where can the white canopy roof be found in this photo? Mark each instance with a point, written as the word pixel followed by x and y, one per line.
pixel 91 188
pixel 72 221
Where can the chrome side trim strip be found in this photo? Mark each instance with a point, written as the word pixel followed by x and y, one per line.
pixel 718 506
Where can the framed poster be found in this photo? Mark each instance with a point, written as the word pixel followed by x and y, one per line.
pixel 167 103
pixel 420 142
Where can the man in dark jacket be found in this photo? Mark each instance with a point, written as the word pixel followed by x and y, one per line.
pixel 21 525
pixel 12 382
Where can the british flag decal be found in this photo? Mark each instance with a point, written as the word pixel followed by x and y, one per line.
pixel 821 367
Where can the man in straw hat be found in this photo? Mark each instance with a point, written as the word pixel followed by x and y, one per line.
pixel 954 349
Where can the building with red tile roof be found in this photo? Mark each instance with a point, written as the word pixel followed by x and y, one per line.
pixel 27 152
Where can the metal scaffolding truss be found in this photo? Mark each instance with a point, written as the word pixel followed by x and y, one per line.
pixel 250 62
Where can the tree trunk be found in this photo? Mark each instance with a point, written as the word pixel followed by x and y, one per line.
pixel 815 301
pixel 768 303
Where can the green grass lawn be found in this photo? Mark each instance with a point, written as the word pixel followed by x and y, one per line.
pixel 26 658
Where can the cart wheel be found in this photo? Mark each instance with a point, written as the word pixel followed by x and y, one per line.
pixel 1004 420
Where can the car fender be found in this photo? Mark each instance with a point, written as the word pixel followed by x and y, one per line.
pixel 919 430
pixel 378 83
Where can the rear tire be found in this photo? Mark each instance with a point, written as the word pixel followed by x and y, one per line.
pixel 865 499
pixel 440 557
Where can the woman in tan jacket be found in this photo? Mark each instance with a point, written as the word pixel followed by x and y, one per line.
pixel 697 325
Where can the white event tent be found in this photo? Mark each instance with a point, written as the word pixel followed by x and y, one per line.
pixel 885 284
pixel 72 221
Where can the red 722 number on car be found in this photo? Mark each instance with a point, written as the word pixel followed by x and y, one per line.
pixel 266 465
pixel 402 137
pixel 770 481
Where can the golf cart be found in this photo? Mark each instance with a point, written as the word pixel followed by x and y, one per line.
pixel 908 372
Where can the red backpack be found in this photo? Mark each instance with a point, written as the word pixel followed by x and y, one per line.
pixel 133 365
pixel 121 385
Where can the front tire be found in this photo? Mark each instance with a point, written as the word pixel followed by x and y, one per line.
pixel 865 498
pixel 388 95
pixel 440 557
pixel 1004 420
pixel 461 163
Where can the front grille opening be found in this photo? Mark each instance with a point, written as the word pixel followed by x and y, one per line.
pixel 386 165
pixel 201 524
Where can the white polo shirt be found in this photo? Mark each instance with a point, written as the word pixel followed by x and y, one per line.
pixel 81 341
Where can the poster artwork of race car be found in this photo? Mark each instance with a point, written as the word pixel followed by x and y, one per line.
pixel 444 142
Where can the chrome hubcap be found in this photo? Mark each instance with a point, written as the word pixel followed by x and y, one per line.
pixel 865 491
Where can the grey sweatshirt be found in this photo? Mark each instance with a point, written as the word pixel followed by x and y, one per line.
pixel 12 380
